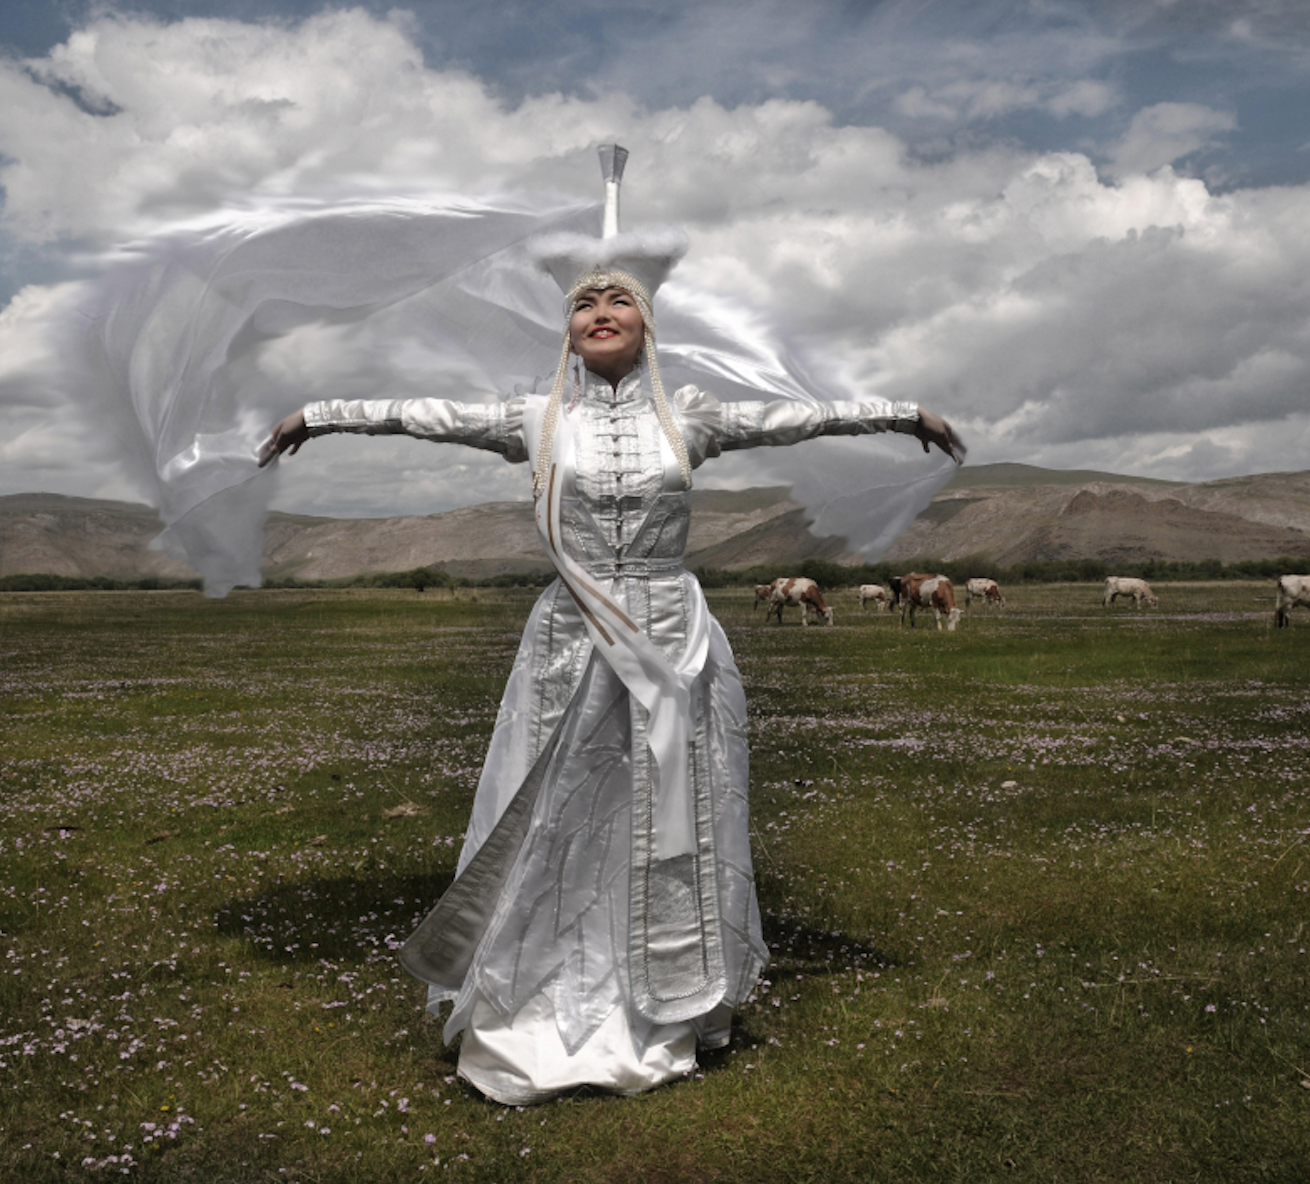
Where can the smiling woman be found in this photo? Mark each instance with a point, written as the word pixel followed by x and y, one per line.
pixel 606 331
pixel 603 920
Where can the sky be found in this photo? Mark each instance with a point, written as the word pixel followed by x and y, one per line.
pixel 1081 231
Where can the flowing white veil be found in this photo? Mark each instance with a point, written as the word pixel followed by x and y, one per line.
pixel 166 344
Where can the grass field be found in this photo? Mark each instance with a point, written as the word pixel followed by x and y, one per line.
pixel 1037 893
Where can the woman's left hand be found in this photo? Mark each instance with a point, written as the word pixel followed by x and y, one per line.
pixel 933 429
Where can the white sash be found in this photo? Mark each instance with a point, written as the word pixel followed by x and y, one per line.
pixel 661 687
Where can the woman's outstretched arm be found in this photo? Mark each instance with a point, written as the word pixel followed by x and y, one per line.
pixel 712 427
pixel 495 427
pixel 933 429
pixel 291 433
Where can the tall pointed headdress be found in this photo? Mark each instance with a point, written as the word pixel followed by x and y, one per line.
pixel 636 262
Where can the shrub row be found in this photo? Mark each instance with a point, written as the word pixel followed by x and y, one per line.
pixel 823 571
pixel 39 582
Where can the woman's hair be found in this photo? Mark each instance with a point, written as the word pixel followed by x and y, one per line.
pixel 599 280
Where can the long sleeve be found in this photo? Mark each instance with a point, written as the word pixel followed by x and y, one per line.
pixel 496 427
pixel 711 427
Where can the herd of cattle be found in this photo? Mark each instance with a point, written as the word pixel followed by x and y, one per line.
pixel 920 590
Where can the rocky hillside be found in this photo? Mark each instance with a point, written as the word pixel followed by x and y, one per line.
pixel 1005 513
pixel 1014 513
pixel 52 534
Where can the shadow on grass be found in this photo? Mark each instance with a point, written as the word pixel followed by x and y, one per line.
pixel 354 919
pixel 802 948
pixel 347 919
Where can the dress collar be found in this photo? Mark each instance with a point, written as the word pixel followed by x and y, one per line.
pixel 629 389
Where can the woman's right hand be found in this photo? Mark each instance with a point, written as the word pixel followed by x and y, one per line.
pixel 290 433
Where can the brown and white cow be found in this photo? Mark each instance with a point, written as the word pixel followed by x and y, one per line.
pixel 1292 590
pixel 764 594
pixel 986 590
pixel 878 594
pixel 799 592
pixel 920 590
pixel 1139 590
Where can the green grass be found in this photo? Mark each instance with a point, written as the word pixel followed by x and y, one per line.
pixel 1037 893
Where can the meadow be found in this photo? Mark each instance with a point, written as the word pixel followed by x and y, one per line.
pixel 1037 894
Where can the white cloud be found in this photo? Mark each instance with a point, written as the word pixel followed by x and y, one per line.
pixel 1166 132
pixel 1063 318
pixel 27 357
pixel 917 103
pixel 1085 97
pixel 990 98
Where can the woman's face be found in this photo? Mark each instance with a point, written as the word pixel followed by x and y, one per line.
pixel 606 331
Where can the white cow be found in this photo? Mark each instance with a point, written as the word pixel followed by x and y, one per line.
pixel 981 588
pixel 764 595
pixel 927 591
pixel 1292 590
pixel 798 592
pixel 1139 590
pixel 878 594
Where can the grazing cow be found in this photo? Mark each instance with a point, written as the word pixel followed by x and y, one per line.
pixel 801 593
pixel 1292 590
pixel 919 590
pixel 1139 590
pixel 877 593
pixel 894 583
pixel 988 591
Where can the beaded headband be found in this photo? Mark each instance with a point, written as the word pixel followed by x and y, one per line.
pixel 600 280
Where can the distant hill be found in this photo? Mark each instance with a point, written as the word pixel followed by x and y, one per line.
pixel 52 534
pixel 1005 513
pixel 1014 513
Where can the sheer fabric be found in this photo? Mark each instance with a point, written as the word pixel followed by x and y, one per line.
pixel 167 347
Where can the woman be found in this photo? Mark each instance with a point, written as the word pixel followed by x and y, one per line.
pixel 603 920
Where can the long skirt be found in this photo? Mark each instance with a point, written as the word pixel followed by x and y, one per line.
pixel 571 957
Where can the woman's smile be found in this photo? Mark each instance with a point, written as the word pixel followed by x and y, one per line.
pixel 606 331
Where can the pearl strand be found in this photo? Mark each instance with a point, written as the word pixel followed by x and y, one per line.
pixel 665 413
pixel 546 445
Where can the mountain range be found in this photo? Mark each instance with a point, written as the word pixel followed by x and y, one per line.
pixel 1002 513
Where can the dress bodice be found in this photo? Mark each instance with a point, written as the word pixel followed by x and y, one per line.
pixel 624 510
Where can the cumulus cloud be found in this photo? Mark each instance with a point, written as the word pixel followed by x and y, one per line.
pixel 1141 322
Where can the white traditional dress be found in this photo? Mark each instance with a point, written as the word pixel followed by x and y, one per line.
pixel 577 945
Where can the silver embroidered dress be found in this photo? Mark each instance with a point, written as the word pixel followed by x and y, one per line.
pixel 573 953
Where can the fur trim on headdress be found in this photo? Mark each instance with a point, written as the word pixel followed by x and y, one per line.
pixel 647 254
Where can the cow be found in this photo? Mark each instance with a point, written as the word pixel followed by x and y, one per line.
pixel 764 594
pixel 894 584
pixel 988 591
pixel 877 593
pixel 919 590
pixel 1139 590
pixel 798 592
pixel 1292 590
